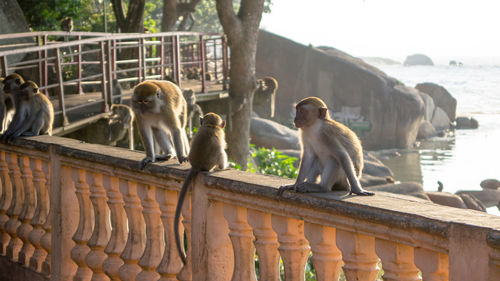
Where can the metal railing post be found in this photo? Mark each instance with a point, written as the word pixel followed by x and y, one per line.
pixel 224 62
pixel 3 62
pixel 103 77
pixel 109 62
pixel 45 67
pixel 162 58
pixel 65 121
pixel 203 65
pixel 79 66
pixel 177 60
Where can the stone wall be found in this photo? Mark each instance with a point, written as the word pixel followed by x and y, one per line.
pixel 392 111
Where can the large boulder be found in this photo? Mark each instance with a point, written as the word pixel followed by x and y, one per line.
pixel 12 21
pixel 447 199
pixel 267 133
pixel 406 188
pixel 429 105
pixel 418 59
pixel 490 184
pixel 440 120
pixel 426 130
pixel 463 122
pixel 389 112
pixel 441 97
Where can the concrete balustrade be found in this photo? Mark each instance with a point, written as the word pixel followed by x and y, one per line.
pixel 75 211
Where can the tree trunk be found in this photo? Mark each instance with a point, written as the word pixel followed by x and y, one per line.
pixel 242 31
pixel 134 22
pixel 169 15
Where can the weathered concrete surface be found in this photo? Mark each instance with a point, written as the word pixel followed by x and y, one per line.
pixel 393 111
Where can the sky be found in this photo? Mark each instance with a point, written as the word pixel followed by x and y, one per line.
pixel 392 28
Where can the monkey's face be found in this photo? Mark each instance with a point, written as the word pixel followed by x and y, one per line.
pixel 144 104
pixel 304 116
pixel 11 84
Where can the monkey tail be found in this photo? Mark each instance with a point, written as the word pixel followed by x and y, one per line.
pixel 182 194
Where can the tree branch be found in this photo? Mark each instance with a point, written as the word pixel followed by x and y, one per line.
pixel 228 19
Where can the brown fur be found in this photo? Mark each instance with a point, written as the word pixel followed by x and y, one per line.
pixel 329 149
pixel 207 152
pixel 161 112
pixel 265 96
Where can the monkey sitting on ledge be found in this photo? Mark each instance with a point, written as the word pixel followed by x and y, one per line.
pixel 329 150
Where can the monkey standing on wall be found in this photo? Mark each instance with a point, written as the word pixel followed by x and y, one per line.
pixel 34 113
pixel 207 152
pixel 329 149
pixel 161 114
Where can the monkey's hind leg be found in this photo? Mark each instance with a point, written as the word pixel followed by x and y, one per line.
pixel 163 140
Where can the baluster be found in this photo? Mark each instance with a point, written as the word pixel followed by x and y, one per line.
pixel 434 265
pixel 171 263
pixel 27 212
pixel 241 236
pixel 326 258
pixel 266 242
pixel 84 230
pixel 358 252
pixel 397 261
pixel 100 235
pixel 155 242
pixel 136 236
pixel 293 246
pixel 5 203
pixel 118 237
pixel 186 271
pixel 42 209
pixel 46 243
pixel 15 208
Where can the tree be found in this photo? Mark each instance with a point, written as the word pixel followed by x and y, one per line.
pixel 133 22
pixel 242 31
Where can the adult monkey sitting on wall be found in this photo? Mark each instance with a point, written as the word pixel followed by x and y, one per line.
pixel 329 150
pixel 161 115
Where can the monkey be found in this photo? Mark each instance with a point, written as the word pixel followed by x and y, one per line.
pixel 67 24
pixel 117 93
pixel 9 84
pixel 34 113
pixel 207 153
pixel 265 95
pixel 192 108
pixel 161 114
pixel 328 149
pixel 120 123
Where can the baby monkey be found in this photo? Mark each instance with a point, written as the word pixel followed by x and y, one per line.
pixel 329 150
pixel 207 153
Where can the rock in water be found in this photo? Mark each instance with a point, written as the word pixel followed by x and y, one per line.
pixel 441 97
pixel 490 184
pixel 418 59
pixel 466 123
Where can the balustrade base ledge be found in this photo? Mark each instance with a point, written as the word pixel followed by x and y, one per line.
pixel 388 209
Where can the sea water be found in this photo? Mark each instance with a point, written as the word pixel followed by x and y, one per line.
pixel 463 159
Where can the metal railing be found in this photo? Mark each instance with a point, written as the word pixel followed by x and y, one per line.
pixel 66 65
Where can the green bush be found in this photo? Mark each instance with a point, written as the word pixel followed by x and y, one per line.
pixel 270 162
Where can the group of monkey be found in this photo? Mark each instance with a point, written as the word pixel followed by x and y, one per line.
pixel 23 109
pixel 331 156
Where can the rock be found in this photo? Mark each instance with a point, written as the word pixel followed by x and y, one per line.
pixel 472 202
pixel 440 120
pixel 441 97
pixel 447 199
pixel 374 171
pixel 418 59
pixel 389 111
pixel 429 105
pixel 406 188
pixel 466 123
pixel 490 184
pixel 426 130
pixel 267 133
pixel 12 21
pixel 488 197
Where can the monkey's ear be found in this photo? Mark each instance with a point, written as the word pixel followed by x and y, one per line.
pixel 201 120
pixel 322 112
pixel 35 90
pixel 223 124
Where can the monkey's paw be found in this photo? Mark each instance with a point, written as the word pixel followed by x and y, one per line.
pixel 164 157
pixel 362 192
pixel 144 162
pixel 182 159
pixel 283 188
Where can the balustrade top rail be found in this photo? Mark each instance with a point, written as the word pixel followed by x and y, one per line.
pixel 91 64
pixel 228 215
